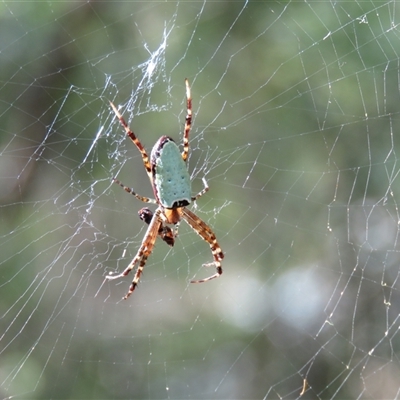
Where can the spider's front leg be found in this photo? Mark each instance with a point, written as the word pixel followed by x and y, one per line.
pixel 165 232
pixel 205 232
pixel 143 253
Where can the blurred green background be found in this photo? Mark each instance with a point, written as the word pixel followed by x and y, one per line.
pixel 296 117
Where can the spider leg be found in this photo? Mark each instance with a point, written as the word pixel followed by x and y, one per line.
pixel 143 253
pixel 134 139
pixel 203 230
pixel 129 190
pixel 164 231
pixel 188 122
pixel 205 190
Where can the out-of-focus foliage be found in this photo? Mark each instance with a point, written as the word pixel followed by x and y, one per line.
pixel 296 116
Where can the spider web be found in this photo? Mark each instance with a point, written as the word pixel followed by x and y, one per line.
pixel 296 118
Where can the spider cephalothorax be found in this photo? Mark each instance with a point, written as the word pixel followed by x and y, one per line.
pixel 169 177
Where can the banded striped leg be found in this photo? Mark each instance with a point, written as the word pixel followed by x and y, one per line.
pixel 143 253
pixel 134 139
pixel 165 232
pixel 205 190
pixel 188 122
pixel 132 192
pixel 203 230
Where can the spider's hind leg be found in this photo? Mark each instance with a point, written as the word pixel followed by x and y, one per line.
pixel 188 122
pixel 134 139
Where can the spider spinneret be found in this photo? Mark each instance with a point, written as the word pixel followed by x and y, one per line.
pixel 169 177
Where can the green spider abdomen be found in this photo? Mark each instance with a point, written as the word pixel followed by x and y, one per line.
pixel 171 180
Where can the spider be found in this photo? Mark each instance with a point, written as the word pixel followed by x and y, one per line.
pixel 171 184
